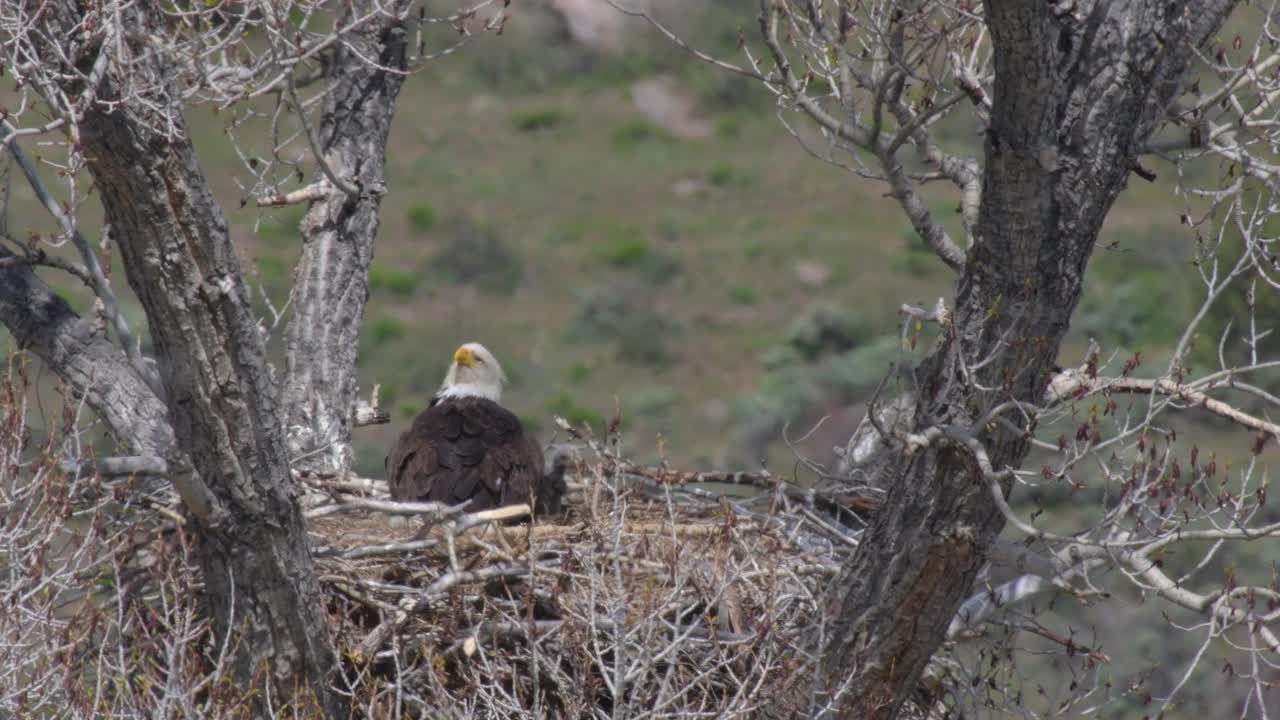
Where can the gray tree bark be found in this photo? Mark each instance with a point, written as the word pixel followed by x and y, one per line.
pixel 86 360
pixel 1079 87
pixel 332 279
pixel 259 577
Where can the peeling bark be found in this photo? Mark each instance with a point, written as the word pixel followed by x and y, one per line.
pixel 259 578
pixel 338 233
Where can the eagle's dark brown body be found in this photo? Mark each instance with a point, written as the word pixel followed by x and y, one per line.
pixel 470 448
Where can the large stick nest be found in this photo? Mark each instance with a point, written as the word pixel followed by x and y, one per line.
pixel 647 592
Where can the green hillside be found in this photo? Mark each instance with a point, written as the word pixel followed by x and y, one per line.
pixel 610 262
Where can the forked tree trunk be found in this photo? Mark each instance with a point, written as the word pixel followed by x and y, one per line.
pixel 332 279
pixel 260 583
pixel 1079 87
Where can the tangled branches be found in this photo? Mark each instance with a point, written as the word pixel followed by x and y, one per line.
pixel 101 615
pixel 635 602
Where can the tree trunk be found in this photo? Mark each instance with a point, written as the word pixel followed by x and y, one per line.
pixel 332 279
pixel 259 577
pixel 1077 92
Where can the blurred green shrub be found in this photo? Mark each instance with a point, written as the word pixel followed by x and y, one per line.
pixel 721 175
pixel 729 93
pixel 728 127
pixel 780 396
pixel 669 229
pixel 780 356
pixel 537 53
pixel 791 385
pixel 915 262
pixel 536 120
pixel 624 247
pixel 916 257
pixel 580 371
pixel 394 280
pixel 652 400
pixel 742 295
pixel 822 328
pixel 601 311
pixel 422 218
pixel 621 69
pixel 475 254
pixel 281 226
pixel 643 340
pixel 273 272
pixel 571 232
pixel 386 329
pixel 1138 295
pixel 850 374
pixel 624 313
pixel 828 354
pixel 369 459
pixel 638 132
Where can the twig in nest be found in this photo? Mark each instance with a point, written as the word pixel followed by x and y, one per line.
pixel 369 646
pixel 763 479
pixel 349 504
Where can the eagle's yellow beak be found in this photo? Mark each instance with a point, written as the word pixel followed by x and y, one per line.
pixel 464 356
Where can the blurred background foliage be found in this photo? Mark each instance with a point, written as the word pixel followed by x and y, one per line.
pixel 629 228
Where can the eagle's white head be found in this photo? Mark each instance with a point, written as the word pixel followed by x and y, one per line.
pixel 474 372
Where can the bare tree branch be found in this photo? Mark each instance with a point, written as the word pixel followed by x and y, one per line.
pixel 101 286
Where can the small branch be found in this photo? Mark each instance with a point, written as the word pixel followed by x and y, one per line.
pixel 1213 604
pixel 436 510
pixel 314 191
pixel 193 493
pixel 1072 382
pixel 321 160
pixel 40 257
pixel 120 466
pixel 984 604
pixel 921 219
pixel 763 480
pixel 350 484
pixel 1072 646
pixel 380 634
pixel 365 415
pixel 939 314
pixel 101 287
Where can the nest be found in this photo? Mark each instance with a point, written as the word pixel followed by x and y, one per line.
pixel 646 591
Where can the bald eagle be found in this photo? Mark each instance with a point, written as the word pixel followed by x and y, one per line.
pixel 466 446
